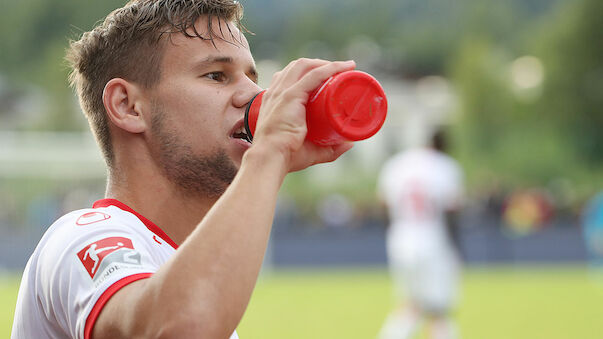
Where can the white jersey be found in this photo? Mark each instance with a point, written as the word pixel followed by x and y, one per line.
pixel 82 260
pixel 419 186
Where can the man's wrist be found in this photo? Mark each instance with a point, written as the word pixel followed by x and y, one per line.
pixel 266 158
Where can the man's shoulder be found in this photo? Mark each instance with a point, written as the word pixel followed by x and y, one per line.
pixel 81 254
pixel 83 238
pixel 408 160
pixel 81 225
pixel 442 161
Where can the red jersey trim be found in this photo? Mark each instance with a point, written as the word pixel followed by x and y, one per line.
pixel 107 294
pixel 148 223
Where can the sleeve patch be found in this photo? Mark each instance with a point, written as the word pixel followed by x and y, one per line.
pixel 109 254
pixel 91 218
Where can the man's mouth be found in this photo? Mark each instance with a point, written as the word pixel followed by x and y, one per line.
pixel 240 133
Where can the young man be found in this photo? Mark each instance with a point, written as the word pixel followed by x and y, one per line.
pixel 422 189
pixel 175 249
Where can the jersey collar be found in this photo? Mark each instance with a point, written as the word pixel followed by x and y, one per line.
pixel 148 223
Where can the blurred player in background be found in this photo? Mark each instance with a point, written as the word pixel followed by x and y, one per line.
pixel 422 189
pixel 175 249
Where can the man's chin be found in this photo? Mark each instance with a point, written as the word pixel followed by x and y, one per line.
pixel 207 176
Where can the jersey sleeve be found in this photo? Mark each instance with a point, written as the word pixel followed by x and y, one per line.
pixel 80 268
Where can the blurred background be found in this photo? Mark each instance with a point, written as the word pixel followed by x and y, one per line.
pixel 518 83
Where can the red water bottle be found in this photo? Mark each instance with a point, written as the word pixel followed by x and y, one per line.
pixel 349 106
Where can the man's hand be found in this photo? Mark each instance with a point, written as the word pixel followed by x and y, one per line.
pixel 282 120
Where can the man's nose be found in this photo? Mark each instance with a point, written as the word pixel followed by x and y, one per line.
pixel 246 92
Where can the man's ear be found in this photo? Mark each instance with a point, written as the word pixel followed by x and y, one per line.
pixel 123 103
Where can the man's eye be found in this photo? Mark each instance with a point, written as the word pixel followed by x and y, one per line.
pixel 216 76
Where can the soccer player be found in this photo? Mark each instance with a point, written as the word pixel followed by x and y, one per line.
pixel 175 249
pixel 422 189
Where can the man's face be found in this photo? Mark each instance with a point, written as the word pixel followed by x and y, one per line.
pixel 197 108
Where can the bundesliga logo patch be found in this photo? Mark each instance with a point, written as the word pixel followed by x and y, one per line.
pixel 97 256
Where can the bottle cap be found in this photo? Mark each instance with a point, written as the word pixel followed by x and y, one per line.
pixel 356 105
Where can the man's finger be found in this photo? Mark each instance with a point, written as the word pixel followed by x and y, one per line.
pixel 315 77
pixel 314 154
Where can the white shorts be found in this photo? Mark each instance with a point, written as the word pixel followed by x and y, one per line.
pixel 426 274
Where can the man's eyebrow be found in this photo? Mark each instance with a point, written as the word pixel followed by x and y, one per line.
pixel 215 59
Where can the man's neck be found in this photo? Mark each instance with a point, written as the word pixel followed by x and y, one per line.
pixel 166 206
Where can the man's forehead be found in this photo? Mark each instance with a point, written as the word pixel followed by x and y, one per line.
pixel 195 51
pixel 219 31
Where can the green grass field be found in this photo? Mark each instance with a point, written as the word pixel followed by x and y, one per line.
pixel 505 303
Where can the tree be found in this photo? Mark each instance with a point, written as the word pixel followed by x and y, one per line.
pixel 556 131
pixel 573 93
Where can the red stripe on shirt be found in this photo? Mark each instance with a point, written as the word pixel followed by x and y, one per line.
pixel 148 223
pixel 109 292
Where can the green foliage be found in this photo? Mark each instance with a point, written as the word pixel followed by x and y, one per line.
pixel 554 131
pixel 573 92
pixel 33 37
pixel 31 28
pixel 355 184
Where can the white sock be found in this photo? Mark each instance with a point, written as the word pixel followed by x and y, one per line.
pixel 400 325
pixel 444 329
